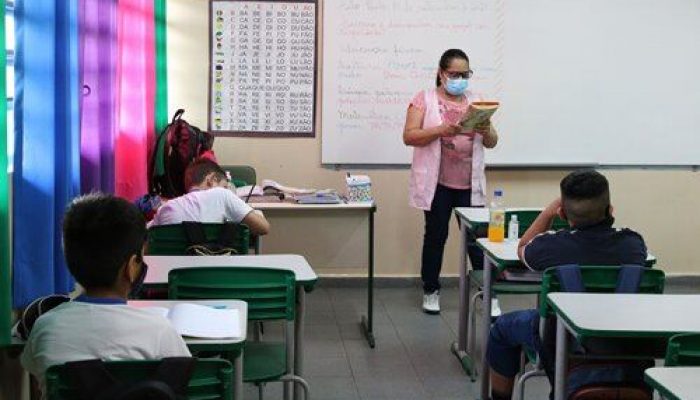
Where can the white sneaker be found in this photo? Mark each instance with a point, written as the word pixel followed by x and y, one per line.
pixel 495 308
pixel 431 303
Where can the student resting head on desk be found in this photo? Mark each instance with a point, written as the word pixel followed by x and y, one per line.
pixel 590 240
pixel 103 239
pixel 209 199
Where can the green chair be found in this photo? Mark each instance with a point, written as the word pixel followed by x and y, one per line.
pixel 172 239
pixel 271 296
pixel 211 379
pixel 476 277
pixel 683 350
pixel 596 279
pixel 241 173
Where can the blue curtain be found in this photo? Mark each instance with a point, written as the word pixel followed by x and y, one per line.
pixel 47 144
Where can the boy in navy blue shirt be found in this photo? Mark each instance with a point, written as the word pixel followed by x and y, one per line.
pixel 590 240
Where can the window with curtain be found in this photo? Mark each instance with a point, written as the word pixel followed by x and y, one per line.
pixel 10 62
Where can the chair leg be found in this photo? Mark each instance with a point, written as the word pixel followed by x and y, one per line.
pixel 471 332
pixel 519 388
pixel 301 382
pixel 261 391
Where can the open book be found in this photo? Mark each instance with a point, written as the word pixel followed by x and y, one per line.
pixel 199 321
pixel 478 113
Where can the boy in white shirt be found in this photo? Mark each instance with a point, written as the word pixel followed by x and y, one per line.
pixel 103 238
pixel 209 199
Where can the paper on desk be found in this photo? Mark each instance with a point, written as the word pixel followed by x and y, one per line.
pixel 200 321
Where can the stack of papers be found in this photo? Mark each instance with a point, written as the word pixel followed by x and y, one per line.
pixel 199 321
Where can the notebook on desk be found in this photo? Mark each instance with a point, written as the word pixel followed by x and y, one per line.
pixel 522 275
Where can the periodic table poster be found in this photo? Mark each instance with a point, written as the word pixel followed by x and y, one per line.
pixel 263 67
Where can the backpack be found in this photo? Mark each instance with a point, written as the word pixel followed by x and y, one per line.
pixel 36 309
pixel 607 379
pixel 176 147
pixel 197 244
pixel 93 381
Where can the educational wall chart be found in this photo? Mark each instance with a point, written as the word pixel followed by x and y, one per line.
pixel 262 68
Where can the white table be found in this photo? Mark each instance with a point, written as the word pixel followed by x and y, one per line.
pixel 160 266
pixel 370 208
pixel 619 316
pixel 675 383
pixel 232 344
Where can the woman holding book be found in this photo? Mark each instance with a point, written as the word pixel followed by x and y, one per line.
pixel 448 164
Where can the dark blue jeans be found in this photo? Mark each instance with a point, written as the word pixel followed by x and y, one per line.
pixel 437 223
pixel 508 336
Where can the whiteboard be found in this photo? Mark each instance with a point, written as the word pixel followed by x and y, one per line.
pixel 262 68
pixel 592 82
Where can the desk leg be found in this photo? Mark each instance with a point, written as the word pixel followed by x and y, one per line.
pixel 459 348
pixel 258 245
pixel 299 338
pixel 238 376
pixel 560 361
pixel 367 321
pixel 485 328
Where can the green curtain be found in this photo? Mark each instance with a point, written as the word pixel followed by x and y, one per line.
pixel 161 115
pixel 5 281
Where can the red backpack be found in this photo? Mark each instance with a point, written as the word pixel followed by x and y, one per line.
pixel 176 147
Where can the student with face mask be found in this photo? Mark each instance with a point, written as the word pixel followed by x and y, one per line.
pixel 448 164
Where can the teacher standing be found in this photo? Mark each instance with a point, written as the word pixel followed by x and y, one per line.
pixel 448 164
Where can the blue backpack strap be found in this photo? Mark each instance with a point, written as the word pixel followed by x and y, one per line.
pixel 570 278
pixel 629 278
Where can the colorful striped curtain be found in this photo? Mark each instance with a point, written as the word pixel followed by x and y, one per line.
pixel 136 89
pixel 46 159
pixel 5 283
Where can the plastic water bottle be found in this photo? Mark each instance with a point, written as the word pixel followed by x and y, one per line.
pixel 497 218
pixel 513 227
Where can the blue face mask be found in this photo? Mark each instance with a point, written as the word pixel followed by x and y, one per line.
pixel 456 87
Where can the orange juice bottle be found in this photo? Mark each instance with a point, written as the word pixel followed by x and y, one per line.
pixel 497 218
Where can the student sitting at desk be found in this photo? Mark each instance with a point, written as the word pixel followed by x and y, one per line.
pixel 590 240
pixel 103 239
pixel 209 199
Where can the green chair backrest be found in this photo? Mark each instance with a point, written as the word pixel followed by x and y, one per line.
pixel 211 378
pixel 527 217
pixel 270 293
pixel 171 239
pixel 241 173
pixel 683 350
pixel 599 279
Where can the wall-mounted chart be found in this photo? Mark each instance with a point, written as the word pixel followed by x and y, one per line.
pixel 263 64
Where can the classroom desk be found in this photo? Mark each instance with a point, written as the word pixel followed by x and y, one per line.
pixel 370 208
pixel 234 345
pixel 675 383
pixel 474 220
pixel 159 266
pixel 618 316
pixel 499 255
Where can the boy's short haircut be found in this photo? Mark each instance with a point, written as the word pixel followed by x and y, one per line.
pixel 199 169
pixel 100 234
pixel 585 196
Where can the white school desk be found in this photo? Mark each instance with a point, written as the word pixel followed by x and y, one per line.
pixel 471 220
pixel 499 255
pixel 370 208
pixel 234 345
pixel 675 383
pixel 618 316
pixel 160 266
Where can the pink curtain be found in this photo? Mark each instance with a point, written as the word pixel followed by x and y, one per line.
pixel 136 89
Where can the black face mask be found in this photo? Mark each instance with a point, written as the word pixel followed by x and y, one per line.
pixel 137 286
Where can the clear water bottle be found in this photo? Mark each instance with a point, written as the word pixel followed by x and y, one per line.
pixel 497 218
pixel 513 227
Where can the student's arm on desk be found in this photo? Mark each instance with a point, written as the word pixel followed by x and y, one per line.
pixel 257 223
pixel 542 224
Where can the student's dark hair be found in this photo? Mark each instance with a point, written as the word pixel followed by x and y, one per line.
pixel 447 58
pixel 198 171
pixel 100 234
pixel 585 196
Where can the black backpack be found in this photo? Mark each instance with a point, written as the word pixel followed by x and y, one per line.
pixel 94 382
pixel 176 147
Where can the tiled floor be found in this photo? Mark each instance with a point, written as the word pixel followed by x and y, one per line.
pixel 412 358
